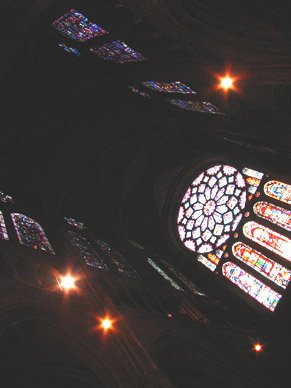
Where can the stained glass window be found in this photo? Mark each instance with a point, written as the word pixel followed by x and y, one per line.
pixel 196 106
pixel 117 52
pixel 183 278
pixel 76 224
pixel 250 285
pixel 6 198
pixel 211 208
pixel 253 173
pixel 274 214
pixel 86 250
pixel 165 276
pixel 137 91
pixel 278 190
pixel 69 49
pixel 3 230
pixel 269 239
pixel 262 264
pixel 170 87
pixel 76 26
pixel 117 260
pixel 30 233
pixel 202 259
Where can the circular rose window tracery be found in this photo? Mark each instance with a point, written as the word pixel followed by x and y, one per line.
pixel 211 208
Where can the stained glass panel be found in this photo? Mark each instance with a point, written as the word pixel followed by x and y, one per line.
pixel 86 250
pixel 278 190
pixel 251 286
pixel 30 233
pixel 274 214
pixel 169 87
pixel 206 262
pixel 117 260
pixel 3 230
pixel 6 198
pixel 165 276
pixel 76 26
pixel 183 278
pixel 117 52
pixel 205 220
pixel 69 49
pixel 196 106
pixel 137 91
pixel 262 264
pixel 76 224
pixel 269 239
pixel 253 173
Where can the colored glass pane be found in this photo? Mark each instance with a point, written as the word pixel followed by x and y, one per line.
pixel 3 230
pixel 76 224
pixel 6 198
pixel 117 52
pixel 76 26
pixel 262 264
pixel 253 181
pixel 69 49
pixel 251 286
pixel 278 190
pixel 269 239
pixel 137 91
pixel 117 260
pixel 164 274
pixel 196 106
pixel 169 87
pixel 206 218
pixel 206 262
pixel 183 278
pixel 274 214
pixel 30 233
pixel 252 173
pixel 86 250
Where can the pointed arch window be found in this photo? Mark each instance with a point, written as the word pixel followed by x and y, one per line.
pixel 251 286
pixel 278 190
pixel 117 260
pixel 86 250
pixel 274 214
pixel 269 239
pixel 3 230
pixel 74 25
pixel 262 264
pixel 30 233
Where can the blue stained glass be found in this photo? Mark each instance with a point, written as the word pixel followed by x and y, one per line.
pixel 86 250
pixel 117 52
pixel 69 49
pixel 76 26
pixel 169 87
pixel 196 106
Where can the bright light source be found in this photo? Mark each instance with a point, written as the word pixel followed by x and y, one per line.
pixel 106 323
pixel 68 282
pixel 226 83
pixel 258 348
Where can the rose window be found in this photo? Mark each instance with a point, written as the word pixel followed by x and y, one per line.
pixel 211 208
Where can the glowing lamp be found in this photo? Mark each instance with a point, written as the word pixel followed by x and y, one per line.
pixel 68 282
pixel 258 348
pixel 106 323
pixel 226 83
